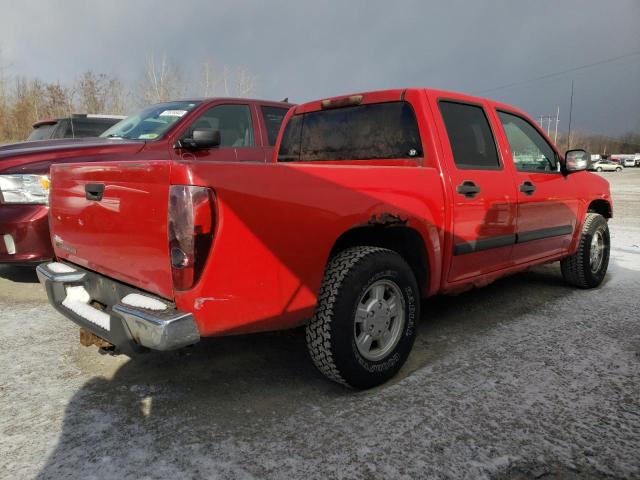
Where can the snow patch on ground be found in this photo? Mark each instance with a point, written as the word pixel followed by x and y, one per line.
pixel 142 301
pixel 77 300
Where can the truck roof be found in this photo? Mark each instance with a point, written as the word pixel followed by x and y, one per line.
pixel 390 95
pixel 236 99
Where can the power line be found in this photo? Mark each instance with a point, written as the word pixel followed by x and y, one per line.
pixel 555 74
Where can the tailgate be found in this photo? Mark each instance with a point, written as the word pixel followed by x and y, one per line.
pixel 112 218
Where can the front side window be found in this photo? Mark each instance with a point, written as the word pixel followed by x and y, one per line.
pixel 150 123
pixel 363 132
pixel 530 151
pixel 273 117
pixel 470 136
pixel 233 122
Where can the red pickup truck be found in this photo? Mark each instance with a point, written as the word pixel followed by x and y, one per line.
pixel 370 203
pixel 247 130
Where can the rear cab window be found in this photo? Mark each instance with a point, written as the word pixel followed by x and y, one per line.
pixel 470 136
pixel 364 132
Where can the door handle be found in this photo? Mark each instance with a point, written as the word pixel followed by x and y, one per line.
pixel 94 191
pixel 468 189
pixel 527 188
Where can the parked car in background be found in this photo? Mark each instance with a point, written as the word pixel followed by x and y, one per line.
pixel 237 129
pixel 75 126
pixel 629 162
pixel 606 166
pixel 371 202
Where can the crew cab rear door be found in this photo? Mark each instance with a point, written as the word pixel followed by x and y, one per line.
pixel 482 191
pixel 547 200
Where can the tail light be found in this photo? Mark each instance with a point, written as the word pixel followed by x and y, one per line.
pixel 191 228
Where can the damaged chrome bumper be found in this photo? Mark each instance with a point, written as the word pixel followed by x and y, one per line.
pixel 95 302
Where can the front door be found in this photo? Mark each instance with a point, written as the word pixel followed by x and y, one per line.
pixel 484 195
pixel 547 199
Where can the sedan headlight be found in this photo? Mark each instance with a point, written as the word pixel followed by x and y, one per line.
pixel 24 189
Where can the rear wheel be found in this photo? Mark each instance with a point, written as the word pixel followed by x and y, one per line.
pixel 599 169
pixel 618 169
pixel 365 321
pixel 587 267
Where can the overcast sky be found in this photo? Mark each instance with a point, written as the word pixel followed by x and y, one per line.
pixel 313 49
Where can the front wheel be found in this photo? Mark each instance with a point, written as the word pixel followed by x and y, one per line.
pixel 599 169
pixel 618 169
pixel 365 321
pixel 587 267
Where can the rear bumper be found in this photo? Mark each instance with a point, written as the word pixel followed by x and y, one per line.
pixel 97 306
pixel 24 234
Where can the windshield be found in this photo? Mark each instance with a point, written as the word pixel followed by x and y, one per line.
pixel 150 123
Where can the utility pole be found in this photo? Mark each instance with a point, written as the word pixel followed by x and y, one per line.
pixel 549 119
pixel 555 136
pixel 570 115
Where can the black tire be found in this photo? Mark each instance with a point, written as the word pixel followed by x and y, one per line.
pixel 331 333
pixel 618 170
pixel 577 269
pixel 599 169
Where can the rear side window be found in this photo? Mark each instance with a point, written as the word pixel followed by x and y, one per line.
pixel 364 132
pixel 470 136
pixel 273 119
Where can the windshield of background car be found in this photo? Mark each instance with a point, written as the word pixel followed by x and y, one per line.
pixel 150 123
pixel 42 132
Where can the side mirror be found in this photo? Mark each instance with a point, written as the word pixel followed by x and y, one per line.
pixel 201 140
pixel 576 161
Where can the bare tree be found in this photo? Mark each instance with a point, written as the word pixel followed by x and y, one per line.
pixel 162 81
pixel 99 93
pixel 227 81
pixel 245 82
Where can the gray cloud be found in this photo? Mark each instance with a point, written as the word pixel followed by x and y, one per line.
pixel 306 50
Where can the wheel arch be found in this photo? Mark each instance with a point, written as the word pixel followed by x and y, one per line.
pixel 603 207
pixel 403 239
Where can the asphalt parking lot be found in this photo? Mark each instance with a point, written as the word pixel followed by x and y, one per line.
pixel 526 378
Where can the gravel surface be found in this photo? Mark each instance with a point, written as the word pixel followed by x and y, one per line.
pixel 526 378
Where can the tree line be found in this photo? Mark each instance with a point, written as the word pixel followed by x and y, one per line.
pixel 24 101
pixel 602 144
